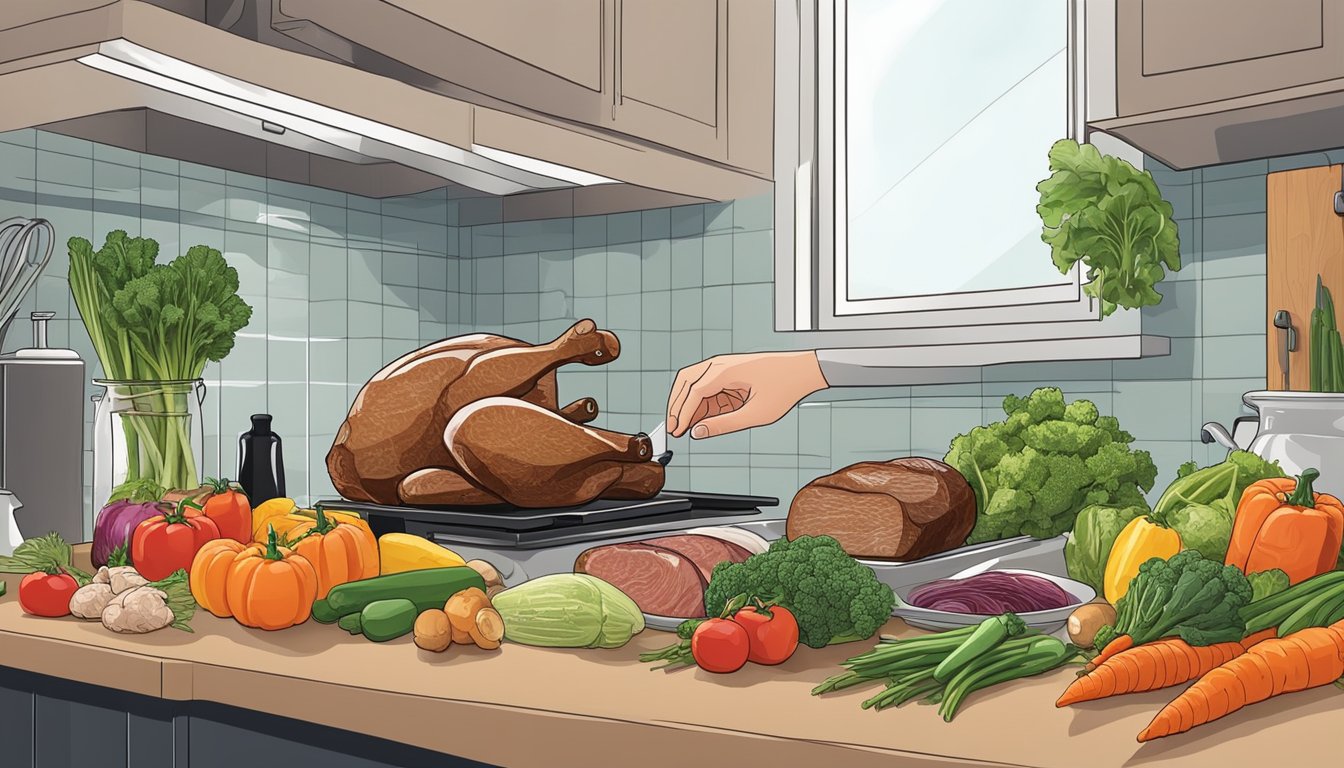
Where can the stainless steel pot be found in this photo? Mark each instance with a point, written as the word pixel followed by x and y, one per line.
pixel 1300 430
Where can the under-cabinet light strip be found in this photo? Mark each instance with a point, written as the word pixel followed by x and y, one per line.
pixel 543 167
pixel 342 129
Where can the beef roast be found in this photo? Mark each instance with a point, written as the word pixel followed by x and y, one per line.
pixel 903 509
pixel 705 551
pixel 660 581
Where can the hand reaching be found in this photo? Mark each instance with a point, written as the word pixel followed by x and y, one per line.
pixel 729 393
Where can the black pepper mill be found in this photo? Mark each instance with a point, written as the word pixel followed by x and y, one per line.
pixel 261 468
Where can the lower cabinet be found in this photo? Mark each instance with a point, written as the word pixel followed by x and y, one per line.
pixel 48 722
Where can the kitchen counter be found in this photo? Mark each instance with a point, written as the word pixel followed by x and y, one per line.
pixel 523 706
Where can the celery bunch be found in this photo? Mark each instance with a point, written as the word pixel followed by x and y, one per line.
pixel 157 325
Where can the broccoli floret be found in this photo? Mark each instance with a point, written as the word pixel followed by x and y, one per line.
pixel 1187 596
pixel 834 597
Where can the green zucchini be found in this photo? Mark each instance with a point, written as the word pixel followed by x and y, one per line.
pixel 426 589
pixel 351 623
pixel 323 614
pixel 384 620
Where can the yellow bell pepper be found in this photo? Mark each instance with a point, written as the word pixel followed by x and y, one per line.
pixel 298 521
pixel 400 552
pixel 1139 541
pixel 268 511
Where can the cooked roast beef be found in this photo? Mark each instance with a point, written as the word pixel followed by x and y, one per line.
pixel 903 509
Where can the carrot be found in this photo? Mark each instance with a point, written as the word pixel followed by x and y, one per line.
pixel 1306 659
pixel 1119 644
pixel 1149 667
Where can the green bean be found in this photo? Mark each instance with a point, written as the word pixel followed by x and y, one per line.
pixel 987 636
pixel 1311 612
pixel 1044 654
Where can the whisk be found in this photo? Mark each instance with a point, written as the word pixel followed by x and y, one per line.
pixel 23 256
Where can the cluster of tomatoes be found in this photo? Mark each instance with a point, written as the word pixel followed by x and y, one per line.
pixel 761 634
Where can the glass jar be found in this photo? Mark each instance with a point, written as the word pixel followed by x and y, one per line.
pixel 147 430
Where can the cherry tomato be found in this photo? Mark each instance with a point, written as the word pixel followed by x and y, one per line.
pixel 720 645
pixel 773 638
pixel 47 594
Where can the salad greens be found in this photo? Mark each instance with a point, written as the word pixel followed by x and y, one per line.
pixel 1106 213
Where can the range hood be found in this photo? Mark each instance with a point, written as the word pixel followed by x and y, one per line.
pixel 136 75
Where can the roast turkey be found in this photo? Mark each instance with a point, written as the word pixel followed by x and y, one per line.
pixel 475 420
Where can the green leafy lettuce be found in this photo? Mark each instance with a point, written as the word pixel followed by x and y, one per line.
pixel 1106 213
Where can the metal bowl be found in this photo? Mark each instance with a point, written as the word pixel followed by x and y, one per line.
pixel 1049 622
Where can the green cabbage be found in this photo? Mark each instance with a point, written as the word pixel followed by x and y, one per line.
pixel 1205 528
pixel 568 610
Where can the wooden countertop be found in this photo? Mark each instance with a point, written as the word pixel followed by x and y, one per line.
pixel 521 706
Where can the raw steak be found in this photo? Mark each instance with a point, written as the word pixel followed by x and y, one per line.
pixel 660 581
pixel 705 551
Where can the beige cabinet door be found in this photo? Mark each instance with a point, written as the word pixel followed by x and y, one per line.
pixel 671 73
pixel 544 56
pixel 1179 54
pixel 698 76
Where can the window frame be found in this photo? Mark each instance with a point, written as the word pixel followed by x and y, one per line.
pixel 810 278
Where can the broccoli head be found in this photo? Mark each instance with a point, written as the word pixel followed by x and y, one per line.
pixel 1187 596
pixel 1033 471
pixel 834 597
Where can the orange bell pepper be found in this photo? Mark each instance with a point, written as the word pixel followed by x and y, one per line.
pixel 1283 523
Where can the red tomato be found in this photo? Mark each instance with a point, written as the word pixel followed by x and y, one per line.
pixel 230 510
pixel 720 645
pixel 47 594
pixel 162 545
pixel 773 638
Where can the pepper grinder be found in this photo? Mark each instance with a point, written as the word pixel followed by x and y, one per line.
pixel 261 467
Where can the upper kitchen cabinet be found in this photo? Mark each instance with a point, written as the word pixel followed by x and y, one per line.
pixel 216 84
pixel 1201 82
pixel 695 76
pixel 550 57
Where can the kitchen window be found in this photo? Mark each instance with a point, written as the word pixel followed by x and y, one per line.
pixel 913 203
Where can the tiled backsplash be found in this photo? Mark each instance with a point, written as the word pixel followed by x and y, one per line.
pixel 338 283
pixel 341 284
pixel 682 284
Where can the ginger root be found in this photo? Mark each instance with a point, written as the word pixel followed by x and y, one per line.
pixel 125 577
pixel 138 610
pixel 89 600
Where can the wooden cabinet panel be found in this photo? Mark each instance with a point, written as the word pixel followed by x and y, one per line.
pixel 563 37
pixel 543 56
pixel 1179 54
pixel 669 57
pixel 660 71
pixel 671 73
pixel 1305 238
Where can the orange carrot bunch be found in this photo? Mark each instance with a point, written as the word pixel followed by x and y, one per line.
pixel 1310 658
